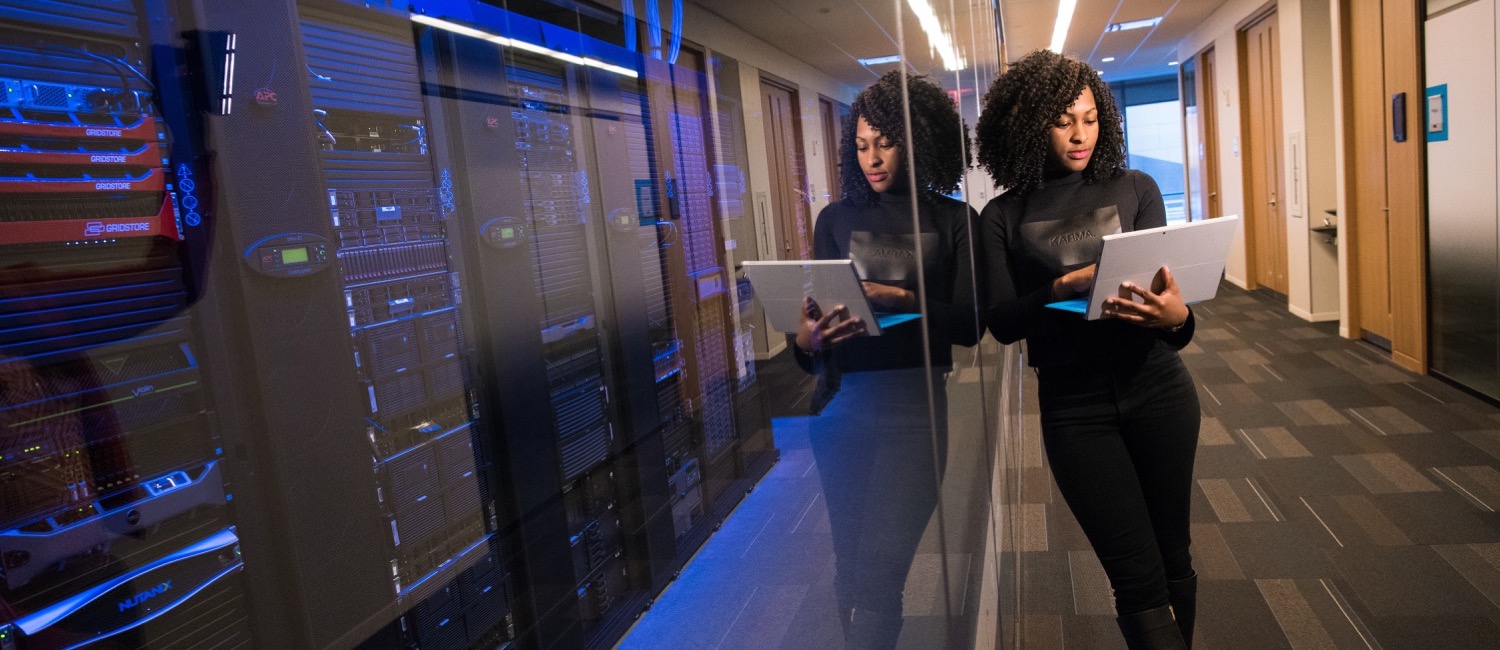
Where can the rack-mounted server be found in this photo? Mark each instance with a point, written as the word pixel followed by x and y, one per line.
pixel 114 522
pixel 386 338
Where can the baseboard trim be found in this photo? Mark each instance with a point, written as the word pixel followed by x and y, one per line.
pixel 1311 317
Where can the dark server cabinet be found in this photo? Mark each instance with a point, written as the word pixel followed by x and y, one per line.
pixel 566 338
pixel 322 327
pixel 755 448
pixel 115 527
pixel 598 187
pixel 727 448
pixel 363 452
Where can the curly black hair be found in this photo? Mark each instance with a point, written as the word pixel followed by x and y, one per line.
pixel 1024 103
pixel 941 148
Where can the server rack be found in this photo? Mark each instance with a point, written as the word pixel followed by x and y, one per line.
pixel 651 246
pixel 402 292
pixel 517 133
pixel 756 449
pixel 329 282
pixel 343 306
pixel 115 526
pixel 730 447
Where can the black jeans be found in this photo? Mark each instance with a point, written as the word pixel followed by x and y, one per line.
pixel 880 461
pixel 1121 441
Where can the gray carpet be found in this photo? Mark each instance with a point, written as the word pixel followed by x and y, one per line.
pixel 1341 502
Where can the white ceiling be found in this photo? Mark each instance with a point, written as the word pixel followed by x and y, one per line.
pixel 832 34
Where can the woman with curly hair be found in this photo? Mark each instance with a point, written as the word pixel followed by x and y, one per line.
pixel 874 442
pixel 1119 410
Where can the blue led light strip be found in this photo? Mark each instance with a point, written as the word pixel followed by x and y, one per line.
pixel 465 30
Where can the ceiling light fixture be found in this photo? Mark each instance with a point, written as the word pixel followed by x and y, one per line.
pixel 1060 29
pixel 1107 59
pixel 879 60
pixel 1171 63
pixel 521 45
pixel 1134 24
pixel 937 40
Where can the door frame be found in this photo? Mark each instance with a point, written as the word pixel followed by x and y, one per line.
pixel 831 118
pixel 1205 67
pixel 783 224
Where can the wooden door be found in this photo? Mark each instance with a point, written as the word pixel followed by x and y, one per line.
pixel 1369 216
pixel 793 237
pixel 831 132
pixel 1265 209
pixel 1405 183
pixel 1201 144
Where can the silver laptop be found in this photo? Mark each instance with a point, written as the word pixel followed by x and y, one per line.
pixel 1195 253
pixel 781 284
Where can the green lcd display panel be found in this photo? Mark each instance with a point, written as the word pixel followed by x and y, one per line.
pixel 294 255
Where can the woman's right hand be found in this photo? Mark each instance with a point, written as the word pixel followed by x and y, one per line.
pixel 817 331
pixel 1074 283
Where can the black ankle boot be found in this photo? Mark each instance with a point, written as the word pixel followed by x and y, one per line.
pixel 1184 597
pixel 1153 629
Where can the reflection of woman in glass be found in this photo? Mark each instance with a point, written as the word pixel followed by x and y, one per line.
pixel 1119 410
pixel 878 455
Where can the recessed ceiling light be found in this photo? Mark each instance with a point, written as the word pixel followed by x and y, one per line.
pixel 1134 24
pixel 880 60
pixel 1060 28
pixel 1107 59
pixel 1171 63
pixel 938 40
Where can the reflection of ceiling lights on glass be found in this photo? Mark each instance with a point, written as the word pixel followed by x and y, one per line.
pixel 880 60
pixel 1134 24
pixel 937 40
pixel 521 45
pixel 1060 28
pixel 1107 59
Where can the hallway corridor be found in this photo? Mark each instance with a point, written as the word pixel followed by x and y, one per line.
pixel 1341 502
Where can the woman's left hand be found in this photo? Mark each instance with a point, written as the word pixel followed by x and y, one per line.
pixel 1161 305
pixel 887 298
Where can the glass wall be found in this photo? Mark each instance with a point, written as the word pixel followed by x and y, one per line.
pixel 331 324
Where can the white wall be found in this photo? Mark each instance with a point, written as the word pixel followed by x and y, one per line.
pixel 1218 31
pixel 1320 140
pixel 1306 61
pixel 1294 127
pixel 754 55
pixel 1340 166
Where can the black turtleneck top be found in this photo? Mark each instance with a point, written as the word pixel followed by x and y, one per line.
pixel 880 240
pixel 1028 241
